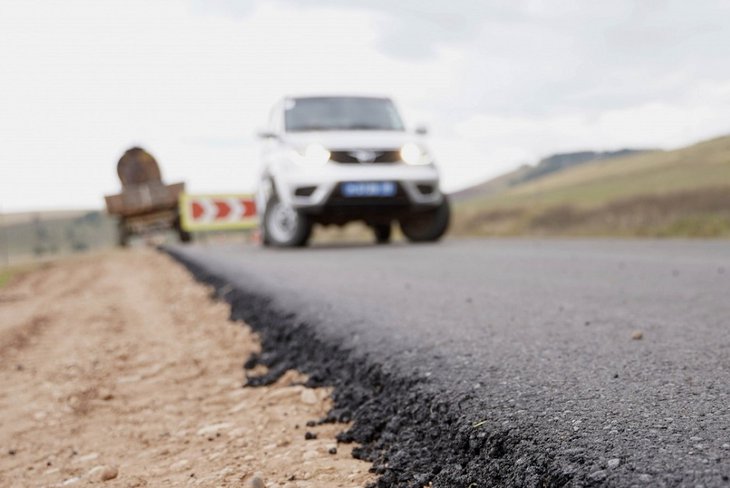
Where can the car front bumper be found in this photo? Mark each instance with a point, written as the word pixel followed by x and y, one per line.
pixel 314 189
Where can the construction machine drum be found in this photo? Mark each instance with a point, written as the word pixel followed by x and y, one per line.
pixel 137 167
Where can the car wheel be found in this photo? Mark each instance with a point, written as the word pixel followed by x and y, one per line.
pixel 427 226
pixel 382 233
pixel 284 226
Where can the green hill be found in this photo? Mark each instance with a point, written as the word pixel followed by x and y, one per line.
pixel 548 165
pixel 685 192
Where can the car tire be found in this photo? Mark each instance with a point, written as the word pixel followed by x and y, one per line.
pixel 382 233
pixel 427 226
pixel 284 226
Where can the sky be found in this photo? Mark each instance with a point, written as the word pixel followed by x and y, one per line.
pixel 499 83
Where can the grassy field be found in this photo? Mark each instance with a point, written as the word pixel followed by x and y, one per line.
pixel 5 275
pixel 685 192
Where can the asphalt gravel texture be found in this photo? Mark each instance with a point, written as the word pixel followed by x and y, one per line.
pixel 504 362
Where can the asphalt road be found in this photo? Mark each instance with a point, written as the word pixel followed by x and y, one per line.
pixel 538 333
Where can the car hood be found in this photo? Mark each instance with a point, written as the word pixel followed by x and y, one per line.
pixel 337 140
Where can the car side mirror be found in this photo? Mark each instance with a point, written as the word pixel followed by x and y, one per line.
pixel 267 134
pixel 421 130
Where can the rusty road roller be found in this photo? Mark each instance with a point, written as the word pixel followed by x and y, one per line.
pixel 146 204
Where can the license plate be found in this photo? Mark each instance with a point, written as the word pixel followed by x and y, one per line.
pixel 369 189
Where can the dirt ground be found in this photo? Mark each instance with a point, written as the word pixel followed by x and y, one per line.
pixel 118 369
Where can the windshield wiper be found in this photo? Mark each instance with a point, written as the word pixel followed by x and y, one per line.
pixel 365 127
pixel 311 128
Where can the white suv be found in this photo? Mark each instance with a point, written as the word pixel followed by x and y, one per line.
pixel 337 159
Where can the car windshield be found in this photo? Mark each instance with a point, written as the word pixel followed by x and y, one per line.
pixel 341 113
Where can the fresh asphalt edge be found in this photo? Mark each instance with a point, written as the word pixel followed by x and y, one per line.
pixel 411 433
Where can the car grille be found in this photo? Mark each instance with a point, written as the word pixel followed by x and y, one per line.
pixel 380 156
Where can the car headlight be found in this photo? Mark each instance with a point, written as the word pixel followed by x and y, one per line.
pixel 315 154
pixel 412 153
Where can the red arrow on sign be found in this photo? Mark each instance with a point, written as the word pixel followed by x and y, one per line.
pixel 223 209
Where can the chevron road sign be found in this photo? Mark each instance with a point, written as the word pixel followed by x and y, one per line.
pixel 217 212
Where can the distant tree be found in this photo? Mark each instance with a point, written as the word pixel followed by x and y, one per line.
pixel 74 240
pixel 42 244
pixel 92 218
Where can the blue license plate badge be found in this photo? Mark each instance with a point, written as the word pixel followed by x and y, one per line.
pixel 369 189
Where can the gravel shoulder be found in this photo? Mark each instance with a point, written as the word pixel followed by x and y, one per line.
pixel 120 369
